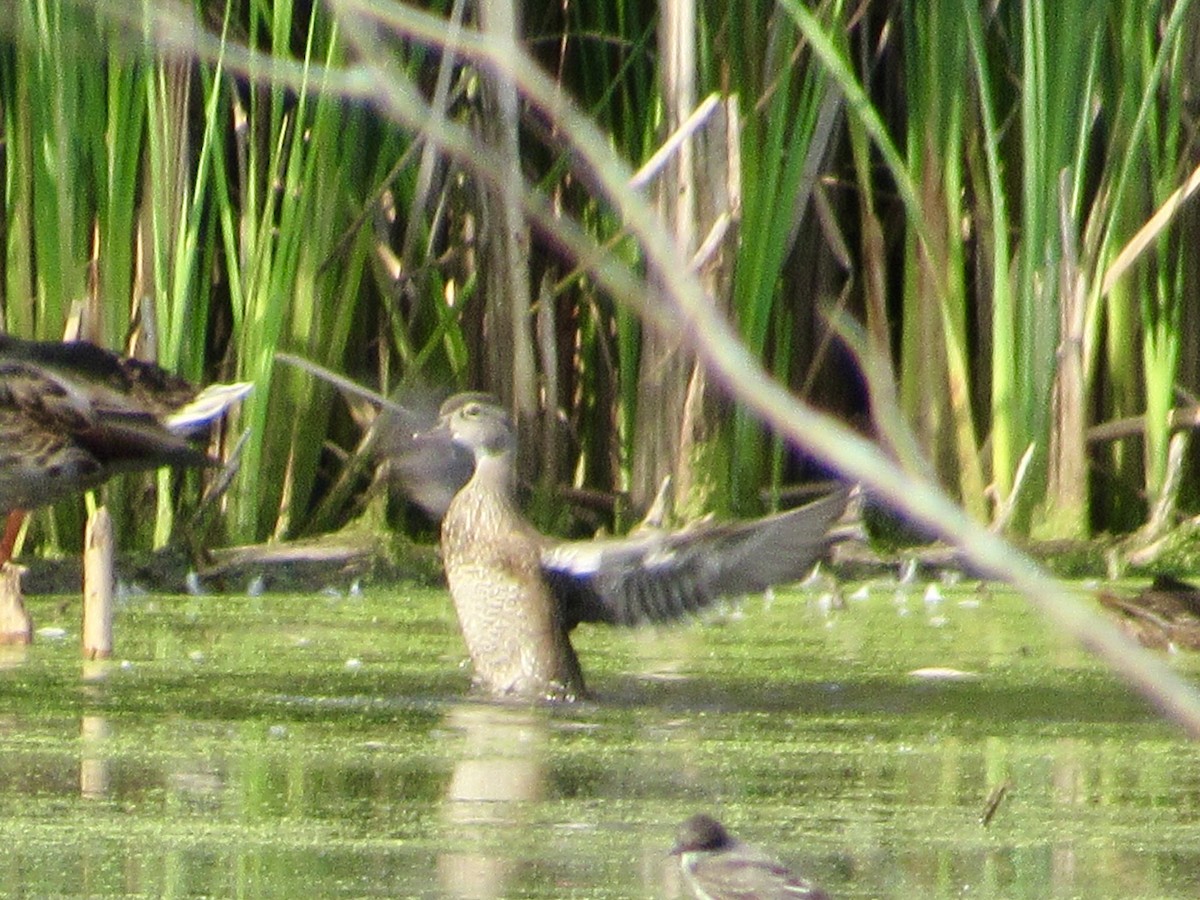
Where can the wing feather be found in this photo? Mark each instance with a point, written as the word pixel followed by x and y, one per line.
pixel 662 576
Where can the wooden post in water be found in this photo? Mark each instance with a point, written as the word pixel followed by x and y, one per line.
pixel 16 627
pixel 98 585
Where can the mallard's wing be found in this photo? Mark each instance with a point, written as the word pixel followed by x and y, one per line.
pixel 38 416
pixel 115 385
pixel 54 441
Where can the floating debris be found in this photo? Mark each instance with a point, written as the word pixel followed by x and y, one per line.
pixel 944 673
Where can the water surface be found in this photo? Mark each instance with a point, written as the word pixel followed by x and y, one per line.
pixel 327 746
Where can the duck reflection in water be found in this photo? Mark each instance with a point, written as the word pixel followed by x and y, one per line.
pixel 497 780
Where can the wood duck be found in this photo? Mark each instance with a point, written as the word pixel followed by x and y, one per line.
pixel 518 593
pixel 72 415
pixel 717 866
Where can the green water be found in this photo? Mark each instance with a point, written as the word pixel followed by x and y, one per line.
pixel 325 746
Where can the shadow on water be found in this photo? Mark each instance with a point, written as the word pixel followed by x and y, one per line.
pixel 329 747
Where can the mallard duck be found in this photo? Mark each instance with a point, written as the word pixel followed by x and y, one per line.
pixel 717 866
pixel 72 415
pixel 518 593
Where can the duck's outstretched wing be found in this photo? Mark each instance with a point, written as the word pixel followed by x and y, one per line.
pixel 660 576
pixel 429 467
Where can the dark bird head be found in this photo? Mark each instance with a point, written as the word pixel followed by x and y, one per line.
pixel 701 833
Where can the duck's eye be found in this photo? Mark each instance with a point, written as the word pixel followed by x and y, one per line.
pixel 471 410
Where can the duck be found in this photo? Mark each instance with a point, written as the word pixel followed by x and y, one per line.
pixel 717 866
pixel 73 415
pixel 1163 616
pixel 519 593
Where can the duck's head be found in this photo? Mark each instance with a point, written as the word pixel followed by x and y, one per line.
pixel 477 422
pixel 701 833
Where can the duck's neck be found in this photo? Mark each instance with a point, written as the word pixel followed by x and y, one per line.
pixel 495 472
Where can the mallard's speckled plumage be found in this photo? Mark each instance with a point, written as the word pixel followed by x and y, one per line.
pixel 73 415
pixel 518 593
